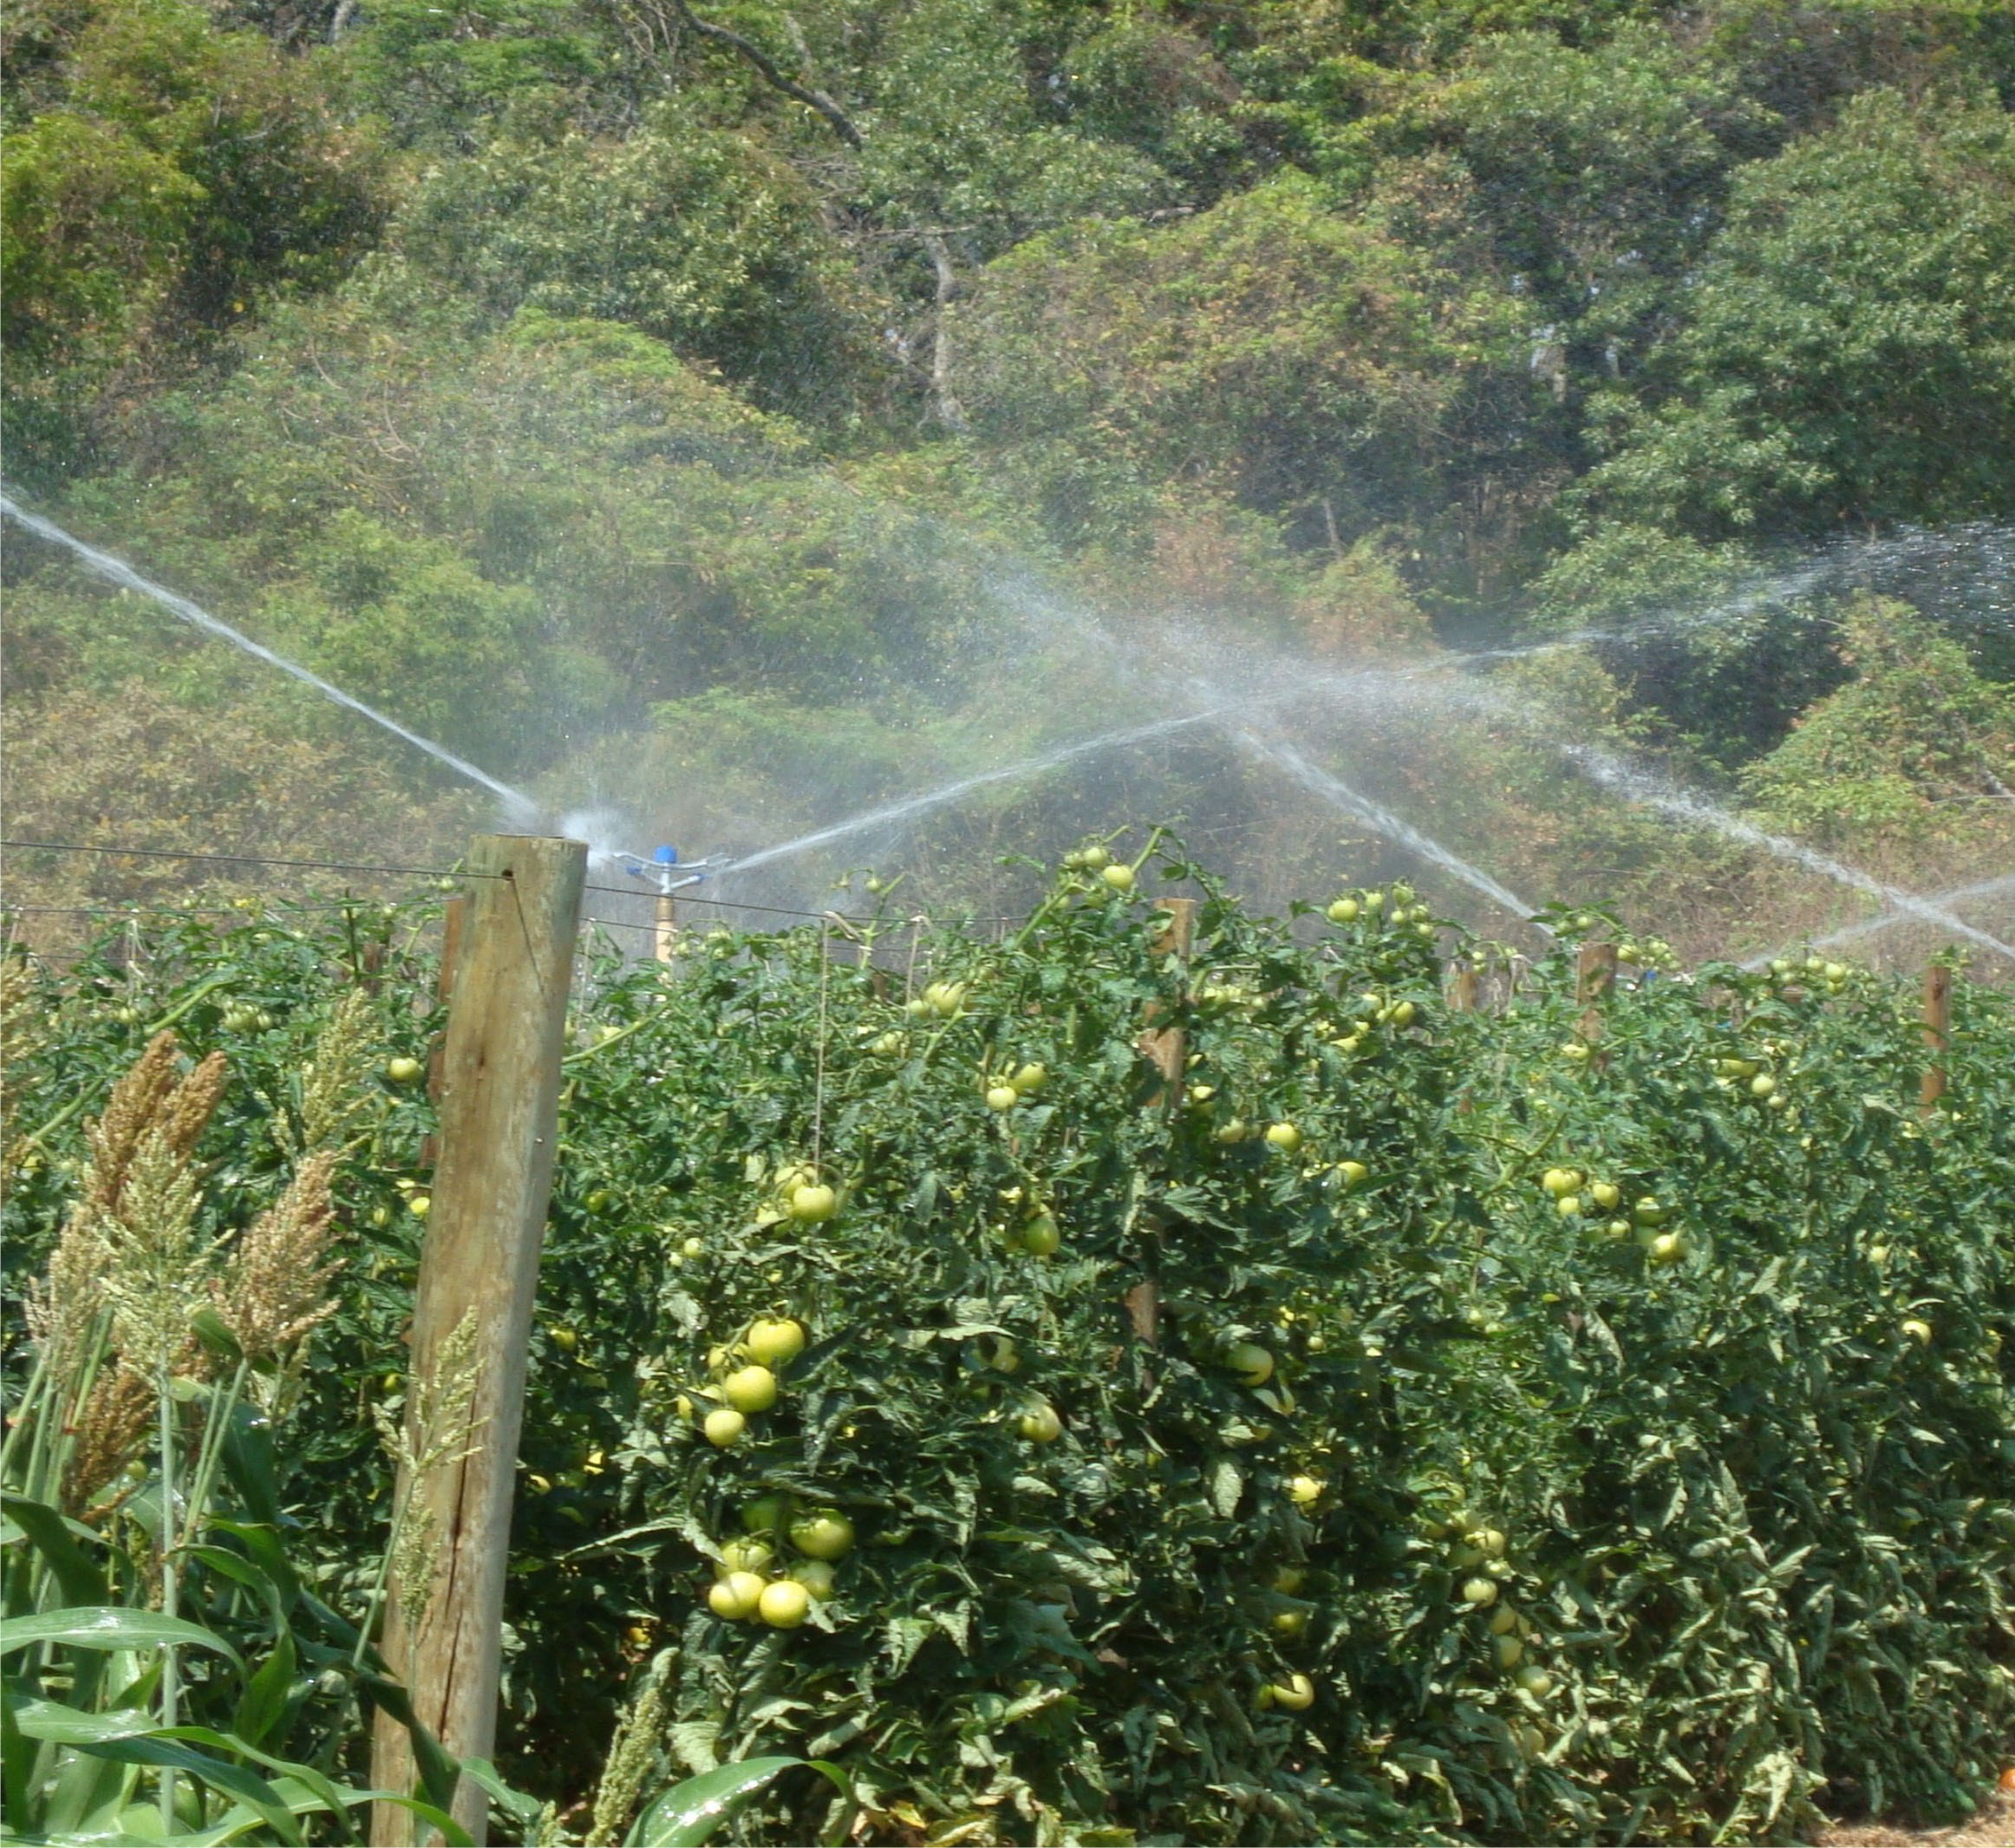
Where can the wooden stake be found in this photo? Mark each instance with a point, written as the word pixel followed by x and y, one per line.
pixel 1937 1033
pixel 498 1110
pixel 1462 992
pixel 451 944
pixel 1168 1047
pixel 1594 980
pixel 666 930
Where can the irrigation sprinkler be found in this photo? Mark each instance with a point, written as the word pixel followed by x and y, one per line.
pixel 671 876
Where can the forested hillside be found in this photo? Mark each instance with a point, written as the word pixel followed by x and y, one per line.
pixel 733 416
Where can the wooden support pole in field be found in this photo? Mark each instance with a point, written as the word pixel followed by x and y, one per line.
pixel 664 934
pixel 1937 1033
pixel 444 981
pixel 472 1318
pixel 1594 981
pixel 1167 1048
pixel 1463 990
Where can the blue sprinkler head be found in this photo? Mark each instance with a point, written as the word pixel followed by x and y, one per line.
pixel 666 857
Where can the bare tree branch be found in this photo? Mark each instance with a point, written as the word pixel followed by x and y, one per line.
pixel 812 99
pixel 949 411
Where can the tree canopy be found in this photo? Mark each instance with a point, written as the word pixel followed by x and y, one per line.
pixel 539 368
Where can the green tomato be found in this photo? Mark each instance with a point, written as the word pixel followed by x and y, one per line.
pixel 1041 1237
pixel 735 1598
pixel 817 1578
pixel 1296 1694
pixel 784 1604
pixel 751 1389
pixel 751 1554
pixel 772 1344
pixel 765 1514
pixel 724 1427
pixel 814 1204
pixel 1040 1424
pixel 825 1535
pixel 1250 1362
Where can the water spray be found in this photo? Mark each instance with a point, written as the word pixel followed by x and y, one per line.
pixel 1890 919
pixel 894 812
pixel 1321 783
pixel 1640 785
pixel 520 807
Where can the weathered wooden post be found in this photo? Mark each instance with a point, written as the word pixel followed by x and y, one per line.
pixel 472 1318
pixel 1594 980
pixel 1167 1048
pixel 1937 1033
pixel 450 950
pixel 664 932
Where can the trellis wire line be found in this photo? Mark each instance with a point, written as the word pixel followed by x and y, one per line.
pixel 245 859
pixel 114 909
pixel 774 911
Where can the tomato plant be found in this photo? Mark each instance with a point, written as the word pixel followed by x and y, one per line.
pixel 1115 1465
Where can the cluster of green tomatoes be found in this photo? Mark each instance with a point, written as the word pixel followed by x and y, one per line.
pixel 749 1583
pixel 744 1376
pixel 1576 1194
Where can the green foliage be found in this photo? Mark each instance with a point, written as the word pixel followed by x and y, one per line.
pixel 694 235
pixel 1804 63
pixel 441 75
pixel 1598 172
pixel 176 175
pixel 1916 743
pixel 1269 346
pixel 157 1617
pixel 1847 352
pixel 1737 1490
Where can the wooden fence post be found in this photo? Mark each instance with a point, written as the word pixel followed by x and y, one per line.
pixel 1168 1048
pixel 1594 980
pixel 444 983
pixel 500 1068
pixel 664 933
pixel 1937 1032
